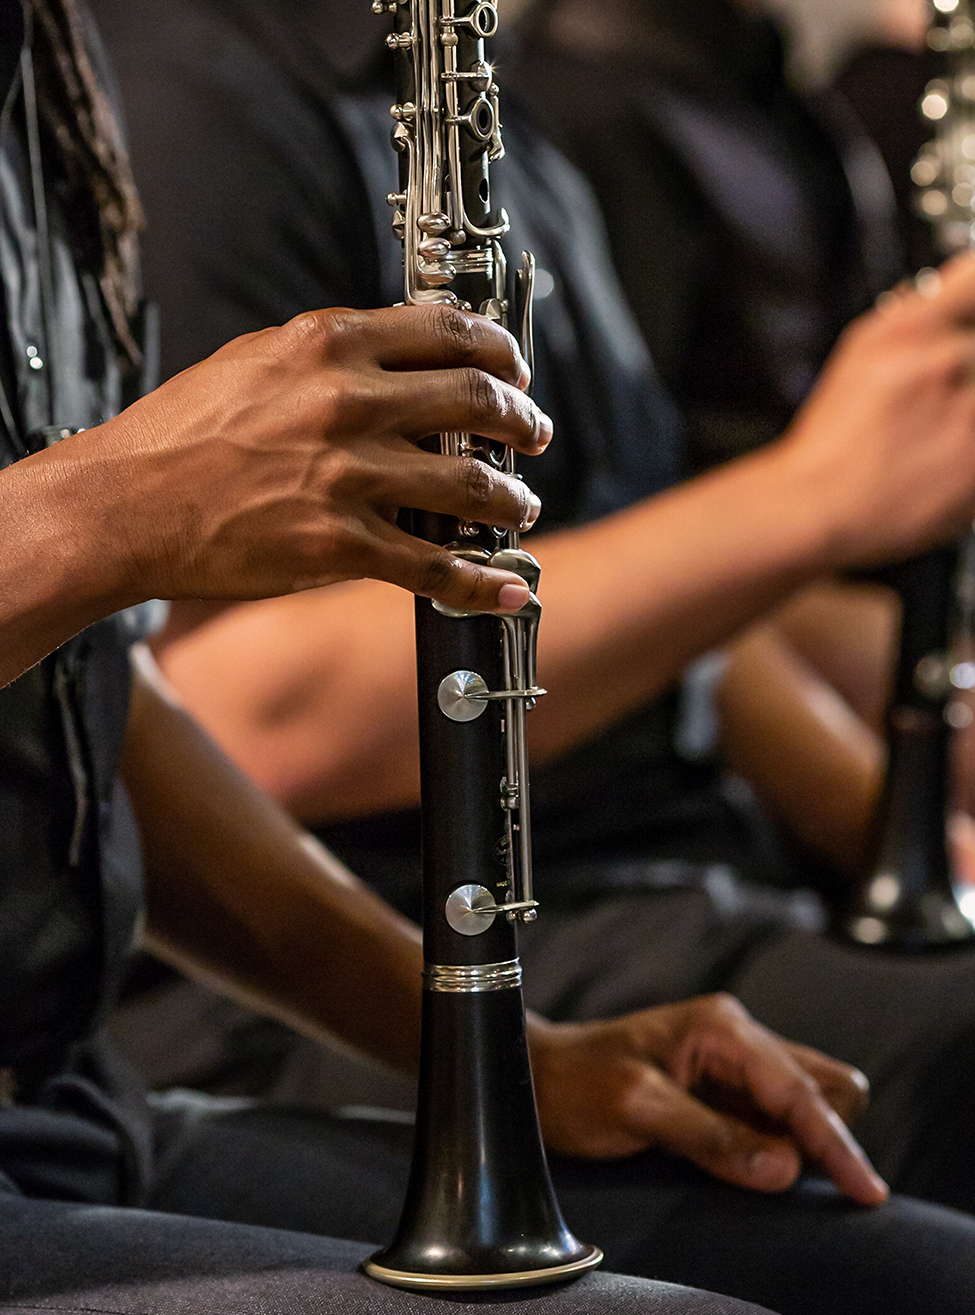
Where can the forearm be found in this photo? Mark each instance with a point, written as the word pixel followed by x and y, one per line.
pixel 236 893
pixel 806 753
pixel 62 561
pixel 632 599
pixel 315 697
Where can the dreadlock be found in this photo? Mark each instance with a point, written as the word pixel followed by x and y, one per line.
pixel 101 197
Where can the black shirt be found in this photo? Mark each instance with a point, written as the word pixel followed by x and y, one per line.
pixel 748 224
pixel 69 870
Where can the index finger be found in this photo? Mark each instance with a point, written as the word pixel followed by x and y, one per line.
pixel 793 1099
pixel 842 1085
pixel 428 337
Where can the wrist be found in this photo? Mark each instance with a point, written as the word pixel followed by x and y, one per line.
pixel 63 564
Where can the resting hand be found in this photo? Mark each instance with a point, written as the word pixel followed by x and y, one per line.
pixel 704 1080
pixel 281 462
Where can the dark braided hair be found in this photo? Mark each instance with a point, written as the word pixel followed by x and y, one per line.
pixel 101 197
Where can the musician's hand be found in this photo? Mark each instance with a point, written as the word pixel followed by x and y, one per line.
pixel 884 448
pixel 281 461
pixel 705 1080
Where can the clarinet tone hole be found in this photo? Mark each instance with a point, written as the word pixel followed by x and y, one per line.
pixel 484 19
pixel 483 122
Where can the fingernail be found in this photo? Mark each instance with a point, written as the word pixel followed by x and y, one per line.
pixel 881 1188
pixel 513 597
pixel 545 430
pixel 531 515
pixel 524 374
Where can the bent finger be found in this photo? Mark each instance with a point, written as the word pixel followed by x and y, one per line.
pixel 783 1090
pixel 464 487
pixel 468 401
pixel 432 572
pixel 424 338
pixel 842 1085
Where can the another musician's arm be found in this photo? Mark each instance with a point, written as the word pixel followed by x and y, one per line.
pixel 801 703
pixel 631 599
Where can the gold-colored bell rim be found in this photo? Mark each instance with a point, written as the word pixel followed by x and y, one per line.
pixel 398 1278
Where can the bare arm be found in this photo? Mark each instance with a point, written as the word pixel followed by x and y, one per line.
pixel 276 465
pixel 803 748
pixel 239 895
pixel 314 697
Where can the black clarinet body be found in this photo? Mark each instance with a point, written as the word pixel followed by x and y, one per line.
pixel 480 1210
pixel 907 899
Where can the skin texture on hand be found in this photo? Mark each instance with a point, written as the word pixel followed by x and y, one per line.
pixel 302 443
pixel 704 1080
pixel 278 464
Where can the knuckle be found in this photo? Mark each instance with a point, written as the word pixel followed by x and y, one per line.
pixel 328 547
pixel 436 572
pixel 347 483
pixel 477 483
pixel 633 1094
pixel 482 395
pixel 325 332
pixel 455 331
pixel 353 403
pixel 798 1090
pixel 723 1008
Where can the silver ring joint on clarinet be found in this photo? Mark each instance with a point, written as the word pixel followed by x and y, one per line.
pixel 473 977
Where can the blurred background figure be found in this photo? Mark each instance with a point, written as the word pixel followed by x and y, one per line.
pixel 751 217
pixel 749 221
pixel 751 225
pixel 824 33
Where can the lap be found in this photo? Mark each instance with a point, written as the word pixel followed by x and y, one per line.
pixel 628 950
pixel 909 1022
pixel 801 1253
pixel 80 1260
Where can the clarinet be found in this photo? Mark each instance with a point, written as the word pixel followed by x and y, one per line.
pixel 907 900
pixel 480 1210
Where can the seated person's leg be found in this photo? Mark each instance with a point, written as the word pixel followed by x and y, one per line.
pixel 61 1257
pixel 906 1021
pixel 805 1253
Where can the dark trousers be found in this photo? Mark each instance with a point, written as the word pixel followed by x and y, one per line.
pixel 259 1170
pixel 99 1260
pixel 805 1253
